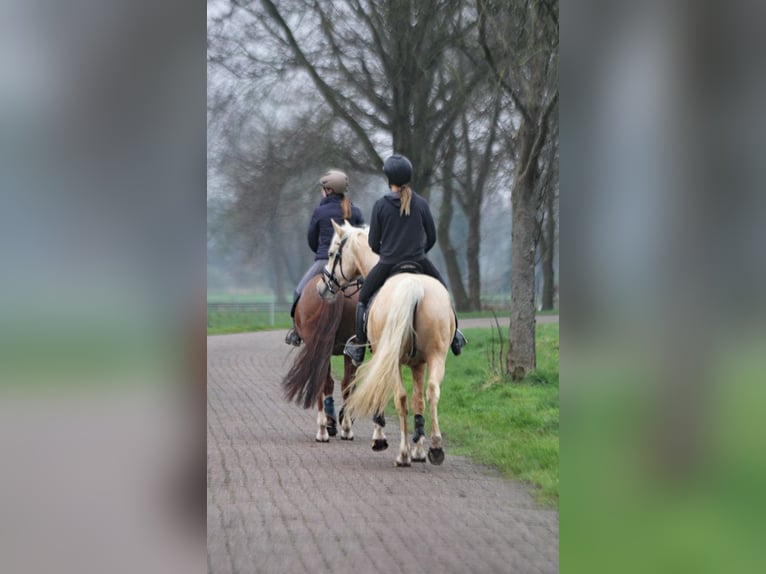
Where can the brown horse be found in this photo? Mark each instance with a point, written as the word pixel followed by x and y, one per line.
pixel 410 322
pixel 324 327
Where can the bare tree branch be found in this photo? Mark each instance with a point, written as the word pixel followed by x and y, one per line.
pixel 327 92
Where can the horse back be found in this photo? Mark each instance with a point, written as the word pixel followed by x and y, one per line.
pixel 433 321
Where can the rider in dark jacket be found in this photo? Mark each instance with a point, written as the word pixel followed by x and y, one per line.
pixel 320 230
pixel 401 229
pixel 333 206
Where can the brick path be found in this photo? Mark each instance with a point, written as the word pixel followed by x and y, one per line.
pixel 278 502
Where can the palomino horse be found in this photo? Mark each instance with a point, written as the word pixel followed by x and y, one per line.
pixel 410 322
pixel 324 327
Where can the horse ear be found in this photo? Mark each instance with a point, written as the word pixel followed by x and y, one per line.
pixel 336 227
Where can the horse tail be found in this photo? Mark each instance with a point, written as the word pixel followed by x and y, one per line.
pixel 306 379
pixel 377 380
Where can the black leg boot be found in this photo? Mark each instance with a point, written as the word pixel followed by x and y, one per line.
pixel 292 337
pixel 357 344
pixel 459 341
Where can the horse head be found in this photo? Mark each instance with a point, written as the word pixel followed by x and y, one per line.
pixel 342 268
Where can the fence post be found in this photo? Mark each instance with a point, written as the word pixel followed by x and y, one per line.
pixel 272 313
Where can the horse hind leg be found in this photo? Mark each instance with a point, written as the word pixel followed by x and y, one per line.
pixel 349 370
pixel 326 411
pixel 329 407
pixel 379 440
pixel 322 434
pixel 418 436
pixel 346 431
pixel 419 440
pixel 435 376
pixel 329 412
pixel 401 407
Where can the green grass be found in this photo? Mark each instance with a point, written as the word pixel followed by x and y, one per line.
pixel 244 322
pixel 217 297
pixel 513 427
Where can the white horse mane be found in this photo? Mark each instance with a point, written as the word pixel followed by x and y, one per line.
pixel 353 230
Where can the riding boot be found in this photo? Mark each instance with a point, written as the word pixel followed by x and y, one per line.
pixel 292 337
pixel 356 345
pixel 458 341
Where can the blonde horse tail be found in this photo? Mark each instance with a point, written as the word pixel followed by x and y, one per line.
pixel 377 380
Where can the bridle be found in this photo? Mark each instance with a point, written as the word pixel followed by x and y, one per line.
pixel 330 279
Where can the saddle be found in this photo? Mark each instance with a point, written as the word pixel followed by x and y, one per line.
pixel 406 267
pixel 402 267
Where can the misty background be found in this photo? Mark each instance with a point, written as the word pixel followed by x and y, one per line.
pixel 102 110
pixel 297 87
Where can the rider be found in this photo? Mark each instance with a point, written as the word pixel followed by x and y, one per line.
pixel 401 229
pixel 333 206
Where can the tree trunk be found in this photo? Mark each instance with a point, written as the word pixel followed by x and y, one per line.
pixel 521 344
pixel 448 251
pixel 472 259
pixel 548 245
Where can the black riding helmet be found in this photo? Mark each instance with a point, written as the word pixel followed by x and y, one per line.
pixel 398 170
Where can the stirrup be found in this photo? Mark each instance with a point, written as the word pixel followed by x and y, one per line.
pixel 292 338
pixel 355 351
pixel 458 342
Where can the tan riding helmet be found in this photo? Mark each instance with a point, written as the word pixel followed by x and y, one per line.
pixel 335 180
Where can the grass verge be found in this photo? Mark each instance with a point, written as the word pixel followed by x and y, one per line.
pixel 511 426
pixel 245 322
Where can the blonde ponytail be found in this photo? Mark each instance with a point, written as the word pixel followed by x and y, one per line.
pixel 406 195
pixel 345 207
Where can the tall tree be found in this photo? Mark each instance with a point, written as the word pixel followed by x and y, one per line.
pixel 393 69
pixel 520 43
pixel 385 68
pixel 446 212
pixel 271 170
pixel 479 165
pixel 470 162
pixel 548 224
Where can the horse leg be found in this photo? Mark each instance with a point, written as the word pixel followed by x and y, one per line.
pixel 322 434
pixel 435 376
pixel 329 403
pixel 379 441
pixel 349 370
pixel 401 407
pixel 418 406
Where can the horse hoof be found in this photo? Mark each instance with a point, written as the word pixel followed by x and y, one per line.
pixel 418 459
pixel 435 456
pixel 323 439
pixel 402 464
pixel 379 444
pixel 332 429
pixel 347 438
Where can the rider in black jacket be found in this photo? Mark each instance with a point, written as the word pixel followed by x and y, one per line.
pixel 401 229
pixel 333 206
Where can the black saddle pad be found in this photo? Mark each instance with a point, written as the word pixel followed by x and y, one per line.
pixel 403 267
pixel 406 267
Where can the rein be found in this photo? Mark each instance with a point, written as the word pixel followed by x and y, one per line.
pixel 331 281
